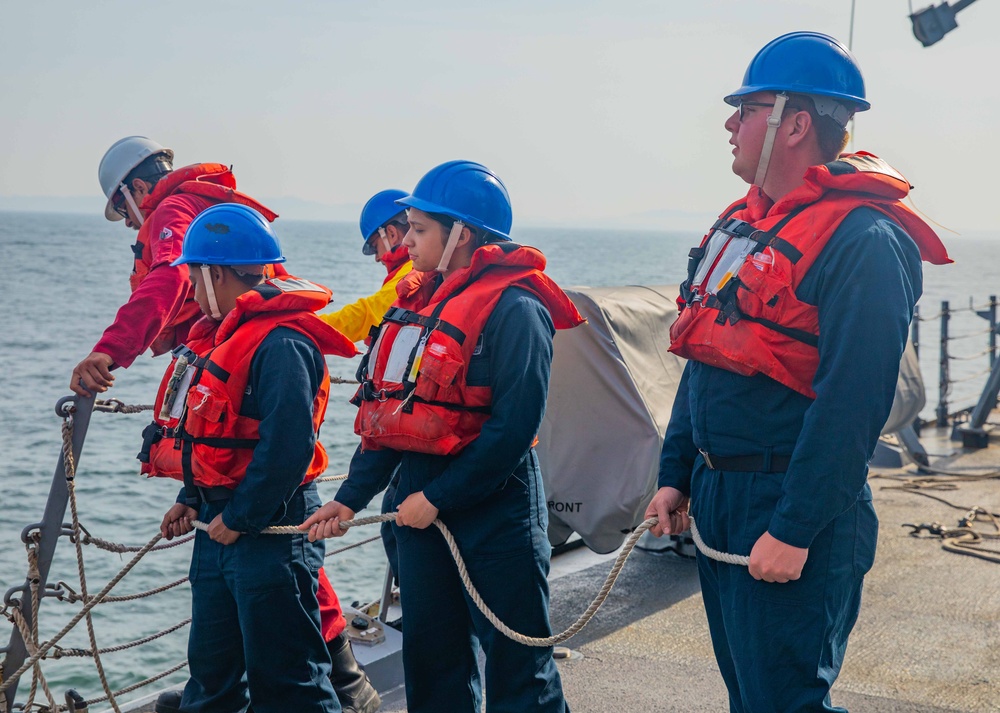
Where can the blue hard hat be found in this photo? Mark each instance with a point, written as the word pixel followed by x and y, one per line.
pixel 806 63
pixel 230 234
pixel 465 191
pixel 379 210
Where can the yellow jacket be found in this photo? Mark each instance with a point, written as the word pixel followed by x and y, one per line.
pixel 356 319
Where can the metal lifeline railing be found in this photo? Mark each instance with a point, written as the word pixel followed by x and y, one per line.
pixel 945 411
pixel 21 604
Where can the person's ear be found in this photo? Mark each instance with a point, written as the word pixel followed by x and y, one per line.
pixel 219 274
pixel 799 127
pixel 466 237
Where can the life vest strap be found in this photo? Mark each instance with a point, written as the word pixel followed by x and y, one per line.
pixel 214 369
pixel 797 334
pixel 401 315
pixel 227 443
pixel 367 392
pixel 729 311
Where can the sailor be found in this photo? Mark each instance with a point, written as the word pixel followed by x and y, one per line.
pixel 240 419
pixel 144 190
pixel 453 392
pixel 793 317
pixel 383 225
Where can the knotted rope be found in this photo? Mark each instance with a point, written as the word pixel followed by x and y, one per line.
pixel 119 406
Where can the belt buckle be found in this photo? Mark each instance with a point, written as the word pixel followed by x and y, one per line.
pixel 707 458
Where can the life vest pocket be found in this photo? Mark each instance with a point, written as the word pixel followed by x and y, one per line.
pixel 439 366
pixel 762 291
pixel 206 410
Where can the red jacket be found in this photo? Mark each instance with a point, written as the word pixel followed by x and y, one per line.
pixel 393 261
pixel 426 405
pixel 212 444
pixel 738 307
pixel 162 309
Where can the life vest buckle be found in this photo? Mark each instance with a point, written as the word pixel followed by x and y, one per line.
pixel 368 393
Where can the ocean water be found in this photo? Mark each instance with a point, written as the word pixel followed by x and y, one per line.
pixel 67 275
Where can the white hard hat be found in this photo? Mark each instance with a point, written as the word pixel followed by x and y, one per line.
pixel 119 160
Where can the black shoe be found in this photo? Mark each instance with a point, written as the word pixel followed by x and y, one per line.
pixel 168 702
pixel 355 692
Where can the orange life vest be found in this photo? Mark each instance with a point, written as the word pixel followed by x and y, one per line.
pixel 738 307
pixel 414 395
pixel 211 444
pixel 214 183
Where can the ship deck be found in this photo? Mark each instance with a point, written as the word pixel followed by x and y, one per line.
pixel 927 640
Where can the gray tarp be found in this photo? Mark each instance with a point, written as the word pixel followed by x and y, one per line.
pixel 610 396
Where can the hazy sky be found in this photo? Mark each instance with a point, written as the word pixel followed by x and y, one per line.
pixel 588 110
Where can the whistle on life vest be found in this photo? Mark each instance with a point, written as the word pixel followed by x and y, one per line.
pixel 763 260
pixel 184 356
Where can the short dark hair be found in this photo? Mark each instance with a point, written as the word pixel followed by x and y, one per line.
pixel 151 170
pixel 831 136
pixel 250 279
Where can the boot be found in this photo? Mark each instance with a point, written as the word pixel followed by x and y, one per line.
pixel 168 702
pixel 355 692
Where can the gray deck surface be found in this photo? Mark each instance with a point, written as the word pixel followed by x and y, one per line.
pixel 927 641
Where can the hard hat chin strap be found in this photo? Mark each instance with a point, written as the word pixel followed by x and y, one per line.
pixel 773 122
pixel 131 203
pixel 385 240
pixel 449 247
pixel 206 276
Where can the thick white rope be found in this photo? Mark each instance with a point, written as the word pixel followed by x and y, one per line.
pixel 581 622
pixel 741 560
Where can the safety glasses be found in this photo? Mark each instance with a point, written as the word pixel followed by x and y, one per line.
pixel 762 105
pixel 741 107
pixel 118 204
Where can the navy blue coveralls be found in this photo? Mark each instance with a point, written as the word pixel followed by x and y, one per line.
pixel 780 646
pixel 490 496
pixel 255 627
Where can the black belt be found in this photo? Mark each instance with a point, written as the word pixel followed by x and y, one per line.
pixel 214 494
pixel 760 462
